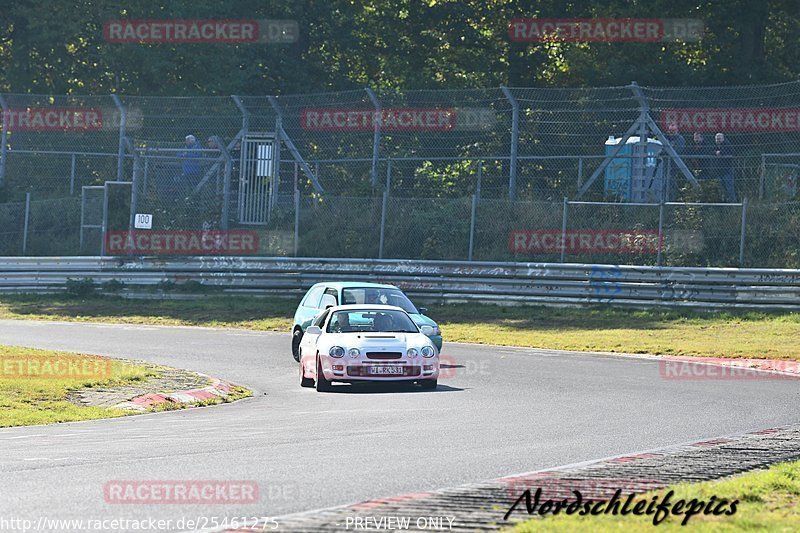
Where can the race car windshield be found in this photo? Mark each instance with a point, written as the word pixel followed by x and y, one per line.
pixel 366 321
pixel 393 297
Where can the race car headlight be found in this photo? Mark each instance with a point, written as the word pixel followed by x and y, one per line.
pixel 336 351
pixel 354 352
pixel 428 351
pixel 412 352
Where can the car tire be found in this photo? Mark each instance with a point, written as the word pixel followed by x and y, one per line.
pixel 304 381
pixel 322 384
pixel 297 336
pixel 429 384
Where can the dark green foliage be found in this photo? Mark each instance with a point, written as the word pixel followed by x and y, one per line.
pixel 57 47
pixel 80 288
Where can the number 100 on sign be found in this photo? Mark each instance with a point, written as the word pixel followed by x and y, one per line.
pixel 143 221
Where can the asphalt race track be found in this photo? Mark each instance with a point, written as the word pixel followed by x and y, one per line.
pixel 503 411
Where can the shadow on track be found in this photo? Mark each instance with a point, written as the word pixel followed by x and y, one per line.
pixel 387 388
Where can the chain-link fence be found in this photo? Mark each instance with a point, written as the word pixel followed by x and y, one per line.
pixel 668 234
pixel 654 175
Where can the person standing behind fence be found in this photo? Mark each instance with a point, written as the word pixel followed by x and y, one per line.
pixel 190 162
pixel 699 151
pixel 723 164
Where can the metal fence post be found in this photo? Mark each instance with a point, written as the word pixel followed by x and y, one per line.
pixel 472 226
pixel 226 186
pixel 383 223
pixel 296 221
pixel 83 217
pixel 480 178
pixel 564 231
pixel 287 141
pixel 104 225
pixel 660 231
pixel 144 177
pixel 376 138
pixel 245 113
pixel 3 140
pixel 762 177
pixel 72 177
pixel 134 185
pixel 389 174
pixel 512 171
pixel 123 119
pixel 744 226
pixel 226 193
pixel 25 224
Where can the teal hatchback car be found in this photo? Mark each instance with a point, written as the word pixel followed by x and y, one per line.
pixel 323 295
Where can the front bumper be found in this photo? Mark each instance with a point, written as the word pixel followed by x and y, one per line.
pixel 348 370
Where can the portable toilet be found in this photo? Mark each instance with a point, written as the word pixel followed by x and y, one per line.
pixel 623 178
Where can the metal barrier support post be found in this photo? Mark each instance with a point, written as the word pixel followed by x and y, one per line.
pixel 376 137
pixel 472 226
pixel 741 239
pixel 512 171
pixel 25 224
pixel 564 231
pixel 123 119
pixel 383 223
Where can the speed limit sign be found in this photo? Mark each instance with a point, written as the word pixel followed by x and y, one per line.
pixel 143 221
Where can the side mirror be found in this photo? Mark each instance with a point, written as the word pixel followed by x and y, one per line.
pixel 313 330
pixel 425 330
pixel 423 310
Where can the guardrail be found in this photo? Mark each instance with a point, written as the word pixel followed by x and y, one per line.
pixel 444 281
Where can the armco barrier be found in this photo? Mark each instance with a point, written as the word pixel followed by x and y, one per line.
pixel 450 281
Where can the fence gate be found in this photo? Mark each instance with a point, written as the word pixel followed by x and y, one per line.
pixel 258 182
pixel 91 218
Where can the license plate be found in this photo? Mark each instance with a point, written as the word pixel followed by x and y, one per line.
pixel 384 370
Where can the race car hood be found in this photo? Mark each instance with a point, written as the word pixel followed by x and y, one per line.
pixel 377 340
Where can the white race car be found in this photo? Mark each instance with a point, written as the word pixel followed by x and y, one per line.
pixel 356 343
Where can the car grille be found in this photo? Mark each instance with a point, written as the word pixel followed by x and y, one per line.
pixel 384 355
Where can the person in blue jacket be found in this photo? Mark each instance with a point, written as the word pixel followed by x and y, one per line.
pixel 190 162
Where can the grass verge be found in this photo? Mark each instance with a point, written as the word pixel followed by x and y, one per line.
pixel 739 335
pixel 40 396
pixel 769 500
pixel 35 385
